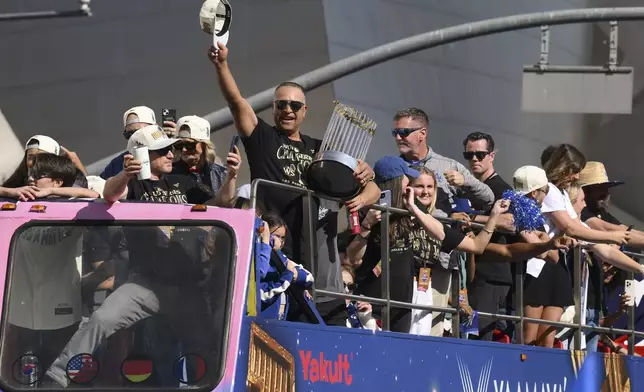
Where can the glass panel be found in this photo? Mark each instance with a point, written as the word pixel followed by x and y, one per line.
pixel 116 307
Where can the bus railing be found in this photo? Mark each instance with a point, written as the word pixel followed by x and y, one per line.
pixel 577 326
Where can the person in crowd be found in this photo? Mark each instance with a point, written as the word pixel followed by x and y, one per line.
pixel 16 185
pixel 489 290
pixel 394 174
pixel 163 186
pixel 196 153
pixel 594 179
pixel 134 119
pixel 45 305
pixel 360 313
pixel 547 289
pixel 282 153
pixel 604 253
pixel 410 133
pixel 275 279
pixel 54 176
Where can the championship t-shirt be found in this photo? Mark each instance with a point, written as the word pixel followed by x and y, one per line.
pixel 273 156
pixel 427 248
pixel 45 280
pixel 169 188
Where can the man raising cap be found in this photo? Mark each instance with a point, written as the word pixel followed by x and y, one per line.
pixel 133 120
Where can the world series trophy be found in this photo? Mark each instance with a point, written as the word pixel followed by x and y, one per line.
pixel 346 141
pixel 214 18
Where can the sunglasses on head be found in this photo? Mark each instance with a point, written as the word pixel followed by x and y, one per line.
pixel 404 132
pixel 294 105
pixel 189 146
pixel 480 155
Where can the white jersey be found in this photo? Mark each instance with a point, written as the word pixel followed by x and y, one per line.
pixel 45 280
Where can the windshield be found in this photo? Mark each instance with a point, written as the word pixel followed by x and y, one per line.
pixel 127 306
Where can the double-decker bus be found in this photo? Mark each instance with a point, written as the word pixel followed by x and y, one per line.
pixel 143 296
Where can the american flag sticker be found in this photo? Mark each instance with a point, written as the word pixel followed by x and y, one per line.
pixel 82 368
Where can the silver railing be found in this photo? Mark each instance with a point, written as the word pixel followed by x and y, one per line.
pixel 577 326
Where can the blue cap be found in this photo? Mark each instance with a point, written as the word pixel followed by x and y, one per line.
pixel 388 168
pixel 464 205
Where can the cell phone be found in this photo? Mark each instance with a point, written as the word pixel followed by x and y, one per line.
pixel 629 288
pixel 385 198
pixel 168 115
pixel 234 143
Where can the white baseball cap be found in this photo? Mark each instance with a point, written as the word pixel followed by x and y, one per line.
pixel 215 17
pixel 151 137
pixel 44 143
pixel 144 113
pixel 529 178
pixel 198 128
pixel 96 184
pixel 244 191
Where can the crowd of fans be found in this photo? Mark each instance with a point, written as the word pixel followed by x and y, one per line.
pixel 426 255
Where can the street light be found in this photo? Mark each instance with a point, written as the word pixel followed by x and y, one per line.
pixel 84 10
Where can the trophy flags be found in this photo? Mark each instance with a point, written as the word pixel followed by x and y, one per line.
pixel 346 141
pixel 214 18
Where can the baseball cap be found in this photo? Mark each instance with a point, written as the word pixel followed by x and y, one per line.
pixel 151 137
pixel 215 17
pixel 144 113
pixel 44 143
pixel 96 184
pixel 529 178
pixel 198 128
pixel 388 168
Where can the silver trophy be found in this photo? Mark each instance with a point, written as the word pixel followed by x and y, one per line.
pixel 346 140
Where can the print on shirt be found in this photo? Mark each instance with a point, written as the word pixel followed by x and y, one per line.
pixel 173 195
pixel 426 248
pixel 294 164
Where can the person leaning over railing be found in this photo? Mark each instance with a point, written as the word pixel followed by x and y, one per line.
pixel 393 174
pixel 608 253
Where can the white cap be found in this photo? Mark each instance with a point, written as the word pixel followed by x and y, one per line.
pixel 144 113
pixel 244 191
pixel 96 184
pixel 44 143
pixel 151 137
pixel 198 128
pixel 215 17
pixel 529 178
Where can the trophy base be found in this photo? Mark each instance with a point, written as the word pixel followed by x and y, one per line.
pixel 331 175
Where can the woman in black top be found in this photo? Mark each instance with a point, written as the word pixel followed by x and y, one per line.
pixel 394 174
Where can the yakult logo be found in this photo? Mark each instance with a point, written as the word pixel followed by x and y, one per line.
pixel 320 369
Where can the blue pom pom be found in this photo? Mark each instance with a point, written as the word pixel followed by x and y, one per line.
pixel 525 211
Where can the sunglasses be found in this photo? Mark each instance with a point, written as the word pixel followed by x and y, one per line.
pixel 189 146
pixel 404 132
pixel 294 105
pixel 163 152
pixel 351 287
pixel 468 155
pixel 38 176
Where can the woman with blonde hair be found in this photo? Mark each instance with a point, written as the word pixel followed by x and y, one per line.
pixel 196 153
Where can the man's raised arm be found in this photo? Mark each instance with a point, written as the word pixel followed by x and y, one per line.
pixel 243 114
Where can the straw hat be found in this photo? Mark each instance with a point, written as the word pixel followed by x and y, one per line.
pixel 595 174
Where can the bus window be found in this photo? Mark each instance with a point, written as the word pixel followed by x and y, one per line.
pixel 132 307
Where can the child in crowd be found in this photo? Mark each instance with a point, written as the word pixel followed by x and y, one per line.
pixel 360 313
pixel 277 274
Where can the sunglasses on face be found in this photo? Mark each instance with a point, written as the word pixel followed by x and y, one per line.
pixel 351 287
pixel 480 155
pixel 38 176
pixel 294 105
pixel 189 146
pixel 404 132
pixel 163 152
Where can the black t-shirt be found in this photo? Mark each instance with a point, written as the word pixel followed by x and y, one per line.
pixel 273 156
pixel 427 248
pixel 595 271
pixel 488 267
pixel 169 188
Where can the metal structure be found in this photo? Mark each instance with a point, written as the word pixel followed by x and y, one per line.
pixel 84 10
pixel 392 50
pixel 577 326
